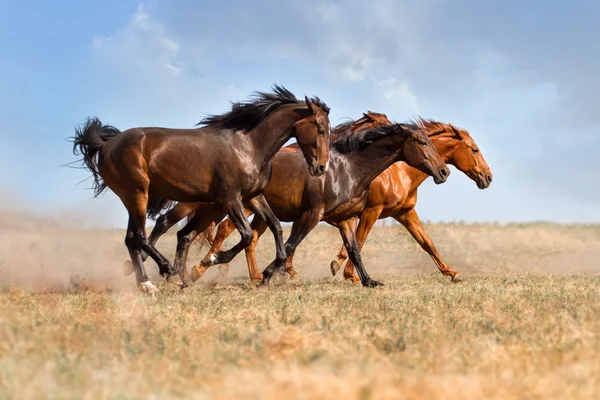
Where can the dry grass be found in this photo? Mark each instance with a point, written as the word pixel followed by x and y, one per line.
pixel 525 323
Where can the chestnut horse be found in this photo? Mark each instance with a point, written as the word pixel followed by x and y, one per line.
pixel 394 192
pixel 341 193
pixel 227 163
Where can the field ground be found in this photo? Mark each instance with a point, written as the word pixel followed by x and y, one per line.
pixel 524 323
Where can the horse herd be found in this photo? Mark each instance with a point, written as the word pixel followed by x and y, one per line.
pixel 234 165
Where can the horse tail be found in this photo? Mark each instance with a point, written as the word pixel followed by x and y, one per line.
pixel 156 205
pixel 88 141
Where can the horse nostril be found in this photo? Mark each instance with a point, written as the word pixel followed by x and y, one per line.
pixel 489 178
pixel 444 172
pixel 321 168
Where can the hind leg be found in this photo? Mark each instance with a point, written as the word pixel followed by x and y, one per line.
pixel 187 235
pixel 235 210
pixel 168 220
pixel 135 237
pixel 224 229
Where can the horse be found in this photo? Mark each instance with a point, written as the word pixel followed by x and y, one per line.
pixel 341 193
pixel 394 192
pixel 188 209
pixel 225 162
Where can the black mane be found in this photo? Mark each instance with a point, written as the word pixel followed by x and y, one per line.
pixel 246 115
pixel 357 142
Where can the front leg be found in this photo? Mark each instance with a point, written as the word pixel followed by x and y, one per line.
pixel 411 222
pixel 342 256
pixel 300 229
pixel 258 228
pixel 262 210
pixel 225 228
pixel 186 236
pixel 368 218
pixel 348 235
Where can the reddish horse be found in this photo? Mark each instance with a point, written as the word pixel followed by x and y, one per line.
pixel 394 194
pixel 341 193
pixel 227 163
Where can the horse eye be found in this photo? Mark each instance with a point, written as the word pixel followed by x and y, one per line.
pixel 475 151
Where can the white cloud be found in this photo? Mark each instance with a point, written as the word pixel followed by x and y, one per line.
pixel 399 92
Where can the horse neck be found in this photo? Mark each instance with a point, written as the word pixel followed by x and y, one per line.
pixel 369 163
pixel 272 133
pixel 417 177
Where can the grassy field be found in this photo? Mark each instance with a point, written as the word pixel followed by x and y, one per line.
pixel 524 323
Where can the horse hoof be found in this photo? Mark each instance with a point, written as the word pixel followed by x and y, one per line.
pixel 127 268
pixel 372 283
pixel 265 282
pixel 175 279
pixel 197 272
pixel 148 288
pixel 335 267
pixel 456 278
pixel 209 261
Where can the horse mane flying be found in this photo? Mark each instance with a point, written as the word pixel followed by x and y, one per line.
pixel 338 132
pixel 359 141
pixel 434 128
pixel 246 115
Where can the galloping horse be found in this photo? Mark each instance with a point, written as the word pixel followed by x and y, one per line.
pixel 394 192
pixel 341 193
pixel 227 162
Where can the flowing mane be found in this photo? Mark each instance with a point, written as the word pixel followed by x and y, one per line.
pixel 347 128
pixel 246 115
pixel 433 128
pixel 357 142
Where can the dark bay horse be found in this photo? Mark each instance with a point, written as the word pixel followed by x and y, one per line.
pixel 394 192
pixel 341 193
pixel 227 162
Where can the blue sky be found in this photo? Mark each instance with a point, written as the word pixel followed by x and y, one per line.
pixel 521 77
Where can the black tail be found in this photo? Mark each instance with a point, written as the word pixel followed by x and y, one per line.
pixel 156 205
pixel 88 141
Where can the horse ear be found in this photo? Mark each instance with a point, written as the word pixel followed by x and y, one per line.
pixel 368 116
pixel 458 132
pixel 310 105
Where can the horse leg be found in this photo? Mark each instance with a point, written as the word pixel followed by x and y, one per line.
pixel 367 220
pixel 300 229
pixel 289 266
pixel 259 227
pixel 348 235
pixel 412 223
pixel 136 237
pixel 224 229
pixel 341 258
pixel 235 210
pixel 167 221
pixel 185 237
pixel 262 210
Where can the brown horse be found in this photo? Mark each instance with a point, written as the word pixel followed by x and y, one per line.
pixel 369 120
pixel 341 193
pixel 227 163
pixel 394 192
